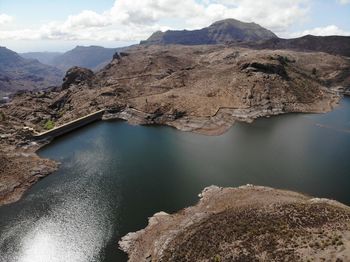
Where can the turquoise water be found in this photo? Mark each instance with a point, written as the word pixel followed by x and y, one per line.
pixel 114 176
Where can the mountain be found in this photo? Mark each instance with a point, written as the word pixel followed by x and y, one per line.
pixel 218 33
pixel 42 57
pixel 251 35
pixel 336 45
pixel 18 73
pixel 92 57
pixel 199 88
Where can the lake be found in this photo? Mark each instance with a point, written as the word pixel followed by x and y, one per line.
pixel 114 176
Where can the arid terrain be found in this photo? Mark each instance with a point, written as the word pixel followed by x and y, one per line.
pixel 115 115
pixel 248 223
pixel 202 89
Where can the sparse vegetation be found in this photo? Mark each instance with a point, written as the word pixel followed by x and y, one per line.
pixel 217 258
pixel 49 124
pixel 61 112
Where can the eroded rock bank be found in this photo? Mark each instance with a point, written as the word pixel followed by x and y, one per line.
pixel 248 223
pixel 20 169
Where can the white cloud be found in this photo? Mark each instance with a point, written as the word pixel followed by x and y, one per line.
pixel 86 19
pixel 320 31
pixel 137 19
pixel 344 2
pixel 4 19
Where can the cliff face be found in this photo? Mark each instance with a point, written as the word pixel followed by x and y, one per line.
pixel 217 33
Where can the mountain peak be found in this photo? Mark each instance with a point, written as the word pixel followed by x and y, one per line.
pixel 228 21
pixel 220 32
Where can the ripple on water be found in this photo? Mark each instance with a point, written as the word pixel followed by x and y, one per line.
pixel 77 224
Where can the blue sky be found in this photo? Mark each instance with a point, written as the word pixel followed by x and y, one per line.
pixel 42 25
pixel 36 12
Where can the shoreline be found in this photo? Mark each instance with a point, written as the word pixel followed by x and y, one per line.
pixel 234 223
pixel 214 125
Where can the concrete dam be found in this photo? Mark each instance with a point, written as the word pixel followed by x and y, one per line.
pixel 70 126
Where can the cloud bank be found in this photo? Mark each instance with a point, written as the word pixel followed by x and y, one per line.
pixel 344 2
pixel 135 20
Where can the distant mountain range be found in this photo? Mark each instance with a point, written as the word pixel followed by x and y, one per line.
pixel 29 71
pixel 219 32
pixel 18 73
pixel 335 45
pixel 42 57
pixel 251 35
pixel 92 57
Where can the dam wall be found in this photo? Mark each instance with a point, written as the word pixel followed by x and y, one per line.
pixel 70 126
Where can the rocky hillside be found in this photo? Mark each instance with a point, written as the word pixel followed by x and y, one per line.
pixel 92 57
pixel 17 73
pixel 336 45
pixel 218 33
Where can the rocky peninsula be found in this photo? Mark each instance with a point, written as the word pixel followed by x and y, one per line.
pixel 248 223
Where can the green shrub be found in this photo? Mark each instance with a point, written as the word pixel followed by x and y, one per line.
pixel 49 124
pixel 217 258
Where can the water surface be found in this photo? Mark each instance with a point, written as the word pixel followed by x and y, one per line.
pixel 114 176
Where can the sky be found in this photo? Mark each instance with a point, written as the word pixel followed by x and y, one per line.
pixel 60 25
